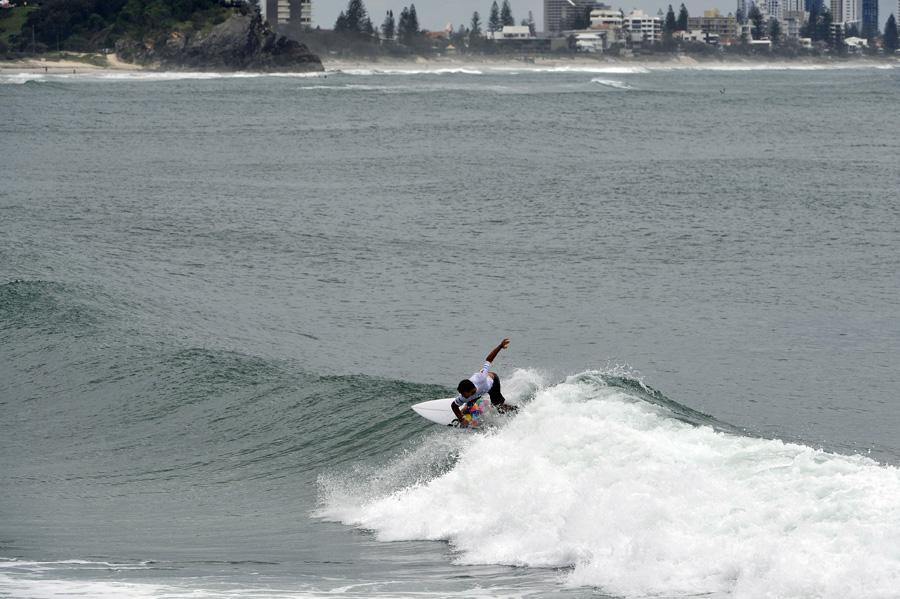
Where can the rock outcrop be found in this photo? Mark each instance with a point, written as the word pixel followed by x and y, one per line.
pixel 242 43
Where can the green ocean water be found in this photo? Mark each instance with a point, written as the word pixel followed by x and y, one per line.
pixel 219 296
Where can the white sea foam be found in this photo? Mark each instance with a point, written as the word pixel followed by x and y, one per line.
pixel 194 75
pixel 774 66
pixel 598 70
pixel 21 78
pixel 400 71
pixel 149 76
pixel 611 83
pixel 638 503
pixel 31 582
pixel 35 566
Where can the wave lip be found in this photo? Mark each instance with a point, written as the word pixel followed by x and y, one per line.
pixel 637 502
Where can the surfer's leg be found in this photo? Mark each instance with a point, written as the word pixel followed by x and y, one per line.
pixel 496 396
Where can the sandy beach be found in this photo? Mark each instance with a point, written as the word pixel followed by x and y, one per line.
pixel 69 63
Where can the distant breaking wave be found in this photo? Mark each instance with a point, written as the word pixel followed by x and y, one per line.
pixel 603 476
pixel 463 69
pixel 399 71
pixel 139 76
pixel 611 83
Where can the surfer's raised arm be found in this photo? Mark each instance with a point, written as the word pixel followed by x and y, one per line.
pixel 503 345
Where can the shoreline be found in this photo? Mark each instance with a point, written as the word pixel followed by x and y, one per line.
pixel 589 62
pixel 73 63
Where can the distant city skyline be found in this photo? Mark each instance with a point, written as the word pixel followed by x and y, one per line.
pixel 435 14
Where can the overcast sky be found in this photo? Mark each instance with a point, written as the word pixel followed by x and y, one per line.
pixel 435 14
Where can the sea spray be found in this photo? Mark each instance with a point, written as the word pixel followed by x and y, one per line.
pixel 638 502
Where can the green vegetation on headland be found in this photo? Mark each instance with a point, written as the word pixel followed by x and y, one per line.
pixel 11 22
pixel 96 25
pixel 196 34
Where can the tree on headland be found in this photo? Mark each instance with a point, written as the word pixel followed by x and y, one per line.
pixel 506 16
pixel 475 26
pixel 890 40
pixel 823 27
pixel 402 24
pixel 460 37
pixel 682 23
pixel 670 23
pixel 532 28
pixel 582 20
pixel 755 16
pixel 389 26
pixel 408 26
pixel 818 26
pixel 812 22
pixel 774 31
pixel 494 23
pixel 413 27
pixel 93 24
pixel 355 19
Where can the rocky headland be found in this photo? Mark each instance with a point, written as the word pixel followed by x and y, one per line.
pixel 243 42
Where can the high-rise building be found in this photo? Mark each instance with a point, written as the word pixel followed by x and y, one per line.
pixel 743 9
pixel 846 12
pixel 560 15
pixel 869 18
pixel 818 5
pixel 287 12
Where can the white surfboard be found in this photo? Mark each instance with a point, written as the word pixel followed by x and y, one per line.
pixel 436 410
pixel 439 411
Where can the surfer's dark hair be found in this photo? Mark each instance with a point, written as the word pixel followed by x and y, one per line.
pixel 465 385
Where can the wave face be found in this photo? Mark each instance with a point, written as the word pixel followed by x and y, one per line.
pixel 600 475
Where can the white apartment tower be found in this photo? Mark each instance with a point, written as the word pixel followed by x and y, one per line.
pixel 287 12
pixel 846 11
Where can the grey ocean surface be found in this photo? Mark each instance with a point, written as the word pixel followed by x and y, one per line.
pixel 219 293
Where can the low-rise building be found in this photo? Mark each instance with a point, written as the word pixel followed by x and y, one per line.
pixel 606 18
pixel 596 41
pixel 511 32
pixel 643 28
pixel 856 44
pixel 697 35
pixel 791 27
pixel 713 22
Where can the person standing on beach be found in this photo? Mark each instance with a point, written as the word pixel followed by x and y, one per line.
pixel 483 381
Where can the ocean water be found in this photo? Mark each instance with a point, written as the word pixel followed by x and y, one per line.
pixel 219 296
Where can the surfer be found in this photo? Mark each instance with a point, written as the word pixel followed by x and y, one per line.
pixel 483 381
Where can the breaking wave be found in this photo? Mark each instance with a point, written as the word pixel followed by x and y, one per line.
pixel 611 83
pixel 638 496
